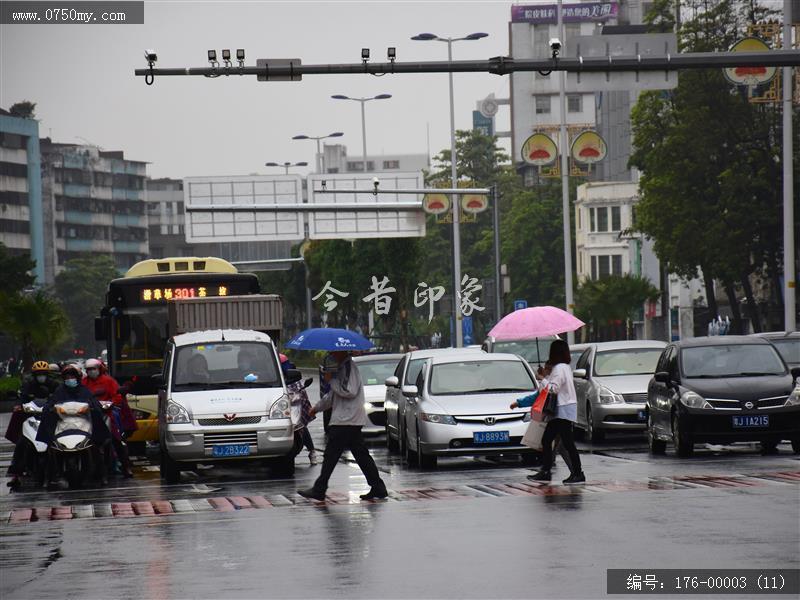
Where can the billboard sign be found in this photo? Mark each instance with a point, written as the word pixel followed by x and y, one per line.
pixel 571 13
pixel 206 227
pixel 482 124
pixel 589 148
pixel 539 149
pixel 364 223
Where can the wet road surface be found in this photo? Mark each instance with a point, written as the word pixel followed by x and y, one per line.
pixel 473 528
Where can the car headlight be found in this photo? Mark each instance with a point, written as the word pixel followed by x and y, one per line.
pixel 526 417
pixel 440 419
pixel 693 400
pixel 176 413
pixel 606 396
pixel 794 397
pixel 280 409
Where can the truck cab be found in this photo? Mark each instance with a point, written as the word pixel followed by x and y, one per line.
pixel 223 398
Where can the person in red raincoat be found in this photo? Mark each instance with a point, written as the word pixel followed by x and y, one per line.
pixel 121 420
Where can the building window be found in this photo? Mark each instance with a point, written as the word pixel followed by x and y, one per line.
pixel 616 264
pixel 542 105
pixel 592 221
pixel 571 31
pixel 602 218
pixel 541 41
pixel 358 165
pixel 391 164
pixel 574 103
pixel 616 219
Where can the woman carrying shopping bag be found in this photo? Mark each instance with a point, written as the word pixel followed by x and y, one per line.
pixel 559 380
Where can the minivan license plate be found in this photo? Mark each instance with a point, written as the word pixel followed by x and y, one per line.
pixel 490 437
pixel 230 450
pixel 745 421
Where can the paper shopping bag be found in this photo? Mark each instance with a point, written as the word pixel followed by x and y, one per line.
pixel 533 435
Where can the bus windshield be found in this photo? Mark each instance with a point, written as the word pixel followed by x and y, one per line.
pixel 140 336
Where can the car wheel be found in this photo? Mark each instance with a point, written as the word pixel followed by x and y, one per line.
pixel 769 447
pixel 170 470
pixel 531 459
pixel 684 446
pixel 595 435
pixel 391 444
pixel 796 445
pixel 425 461
pixel 656 445
pixel 410 455
pixel 401 440
pixel 283 466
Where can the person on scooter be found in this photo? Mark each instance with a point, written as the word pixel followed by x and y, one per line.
pixel 71 390
pixel 106 389
pixel 37 389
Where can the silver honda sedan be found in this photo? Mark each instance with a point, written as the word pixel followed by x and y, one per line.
pixel 460 407
pixel 611 381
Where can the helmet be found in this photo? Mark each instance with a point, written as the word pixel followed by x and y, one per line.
pixel 283 358
pixel 40 365
pixel 93 363
pixel 70 369
pixel 54 368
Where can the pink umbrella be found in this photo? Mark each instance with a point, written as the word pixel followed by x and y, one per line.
pixel 536 321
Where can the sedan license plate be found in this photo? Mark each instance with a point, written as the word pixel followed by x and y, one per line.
pixel 222 450
pixel 490 437
pixel 745 421
pixel 642 415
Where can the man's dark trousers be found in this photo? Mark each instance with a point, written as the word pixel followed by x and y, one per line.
pixel 341 438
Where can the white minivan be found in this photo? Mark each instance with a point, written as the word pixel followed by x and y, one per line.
pixel 224 398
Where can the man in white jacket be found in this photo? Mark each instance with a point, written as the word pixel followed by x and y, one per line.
pixel 346 401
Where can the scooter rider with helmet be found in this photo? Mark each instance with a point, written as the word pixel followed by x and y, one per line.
pixel 106 389
pixel 71 390
pixel 37 389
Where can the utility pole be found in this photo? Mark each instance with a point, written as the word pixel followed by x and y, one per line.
pixel 789 283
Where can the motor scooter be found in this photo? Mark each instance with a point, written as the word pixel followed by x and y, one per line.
pixel 36 452
pixel 71 448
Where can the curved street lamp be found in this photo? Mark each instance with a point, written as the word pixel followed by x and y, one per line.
pixel 286 165
pixel 427 37
pixel 363 119
pixel 320 157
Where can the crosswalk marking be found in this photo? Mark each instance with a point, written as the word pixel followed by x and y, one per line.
pixel 153 508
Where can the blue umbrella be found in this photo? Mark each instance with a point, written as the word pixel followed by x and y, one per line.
pixel 325 338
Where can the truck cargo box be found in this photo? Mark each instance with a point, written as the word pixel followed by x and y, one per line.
pixel 261 312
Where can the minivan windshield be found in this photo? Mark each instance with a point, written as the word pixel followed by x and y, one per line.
pixel 477 377
pixel 634 361
pixel 375 372
pixel 225 364
pixel 744 360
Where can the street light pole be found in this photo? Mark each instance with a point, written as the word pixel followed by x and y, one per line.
pixel 789 289
pixel 456 206
pixel 286 165
pixel 363 119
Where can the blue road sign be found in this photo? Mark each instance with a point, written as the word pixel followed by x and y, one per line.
pixel 466 326
pixel 520 304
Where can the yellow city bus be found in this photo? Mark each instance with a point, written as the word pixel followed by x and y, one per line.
pixel 134 322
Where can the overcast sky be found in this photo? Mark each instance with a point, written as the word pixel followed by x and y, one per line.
pixel 81 78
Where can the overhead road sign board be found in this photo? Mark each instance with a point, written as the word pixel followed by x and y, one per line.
pixel 241 225
pixel 349 188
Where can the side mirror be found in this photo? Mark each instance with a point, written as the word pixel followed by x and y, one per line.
pixel 158 378
pixel 409 391
pixel 292 376
pixel 579 373
pixel 392 381
pixel 796 373
pixel 661 377
pixel 308 382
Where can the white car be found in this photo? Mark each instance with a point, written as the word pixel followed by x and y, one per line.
pixel 459 406
pixel 374 370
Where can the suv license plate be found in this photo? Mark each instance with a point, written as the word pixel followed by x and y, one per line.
pixel 745 421
pixel 490 437
pixel 230 450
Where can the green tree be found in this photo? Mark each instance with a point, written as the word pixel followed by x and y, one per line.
pixel 709 160
pixel 82 286
pixel 24 109
pixel 36 321
pixel 610 302
pixel 16 271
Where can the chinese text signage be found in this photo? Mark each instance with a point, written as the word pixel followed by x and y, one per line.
pixel 572 13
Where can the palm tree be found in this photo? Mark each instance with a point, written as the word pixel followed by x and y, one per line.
pixel 36 321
